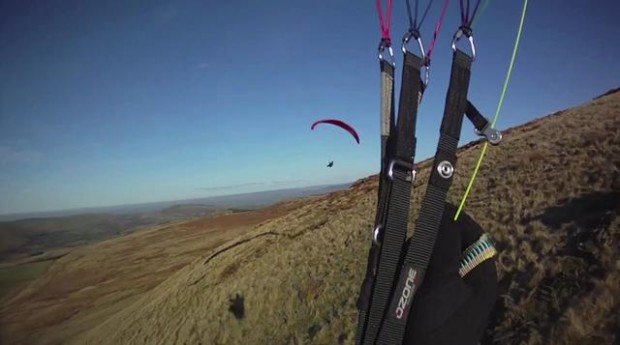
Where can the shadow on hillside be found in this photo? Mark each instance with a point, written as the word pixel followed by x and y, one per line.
pixel 587 212
pixel 588 217
pixel 584 223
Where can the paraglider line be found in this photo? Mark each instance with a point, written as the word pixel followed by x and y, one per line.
pixel 499 107
pixel 436 32
pixel 385 21
pixel 485 4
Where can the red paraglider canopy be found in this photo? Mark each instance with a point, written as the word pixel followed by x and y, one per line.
pixel 340 124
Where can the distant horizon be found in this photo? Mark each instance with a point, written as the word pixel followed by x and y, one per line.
pixel 228 187
pixel 171 201
pixel 125 102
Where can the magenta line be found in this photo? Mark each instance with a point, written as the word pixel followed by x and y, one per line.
pixel 437 29
pixel 385 21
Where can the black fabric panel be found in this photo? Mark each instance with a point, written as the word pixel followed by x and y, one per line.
pixel 447 309
pixel 464 324
pixel 446 258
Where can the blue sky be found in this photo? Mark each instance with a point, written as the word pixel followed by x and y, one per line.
pixel 116 102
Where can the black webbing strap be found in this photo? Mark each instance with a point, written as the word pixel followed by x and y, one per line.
pixel 387 104
pixel 479 121
pixel 393 208
pixel 387 126
pixel 483 126
pixel 388 130
pixel 420 248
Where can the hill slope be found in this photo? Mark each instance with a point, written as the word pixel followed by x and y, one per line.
pixel 24 238
pixel 548 195
pixel 93 282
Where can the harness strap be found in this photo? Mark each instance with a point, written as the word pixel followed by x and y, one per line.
pixel 479 121
pixel 386 252
pixel 387 104
pixel 420 248
pixel 393 207
pixel 387 126
pixel 483 126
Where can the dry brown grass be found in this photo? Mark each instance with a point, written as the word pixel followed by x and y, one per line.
pixel 545 195
pixel 96 281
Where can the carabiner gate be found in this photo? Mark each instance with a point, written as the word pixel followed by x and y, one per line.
pixel 427 72
pixel 416 35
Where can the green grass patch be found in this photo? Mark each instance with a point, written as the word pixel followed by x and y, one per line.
pixel 12 276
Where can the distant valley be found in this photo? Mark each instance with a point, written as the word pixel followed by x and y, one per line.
pixel 42 236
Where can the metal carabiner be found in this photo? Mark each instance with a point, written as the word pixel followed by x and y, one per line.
pixel 427 71
pixel 377 234
pixel 464 31
pixel 407 37
pixel 383 46
pixel 416 35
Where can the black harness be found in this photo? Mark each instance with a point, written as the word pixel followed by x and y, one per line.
pixel 395 271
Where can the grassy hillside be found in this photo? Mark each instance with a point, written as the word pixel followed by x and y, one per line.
pixel 31 237
pixel 14 275
pixel 92 282
pixel 549 196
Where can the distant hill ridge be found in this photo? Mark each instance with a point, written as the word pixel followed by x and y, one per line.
pixel 34 236
pixel 248 200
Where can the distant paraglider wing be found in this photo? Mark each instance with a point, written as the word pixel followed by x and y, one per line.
pixel 340 124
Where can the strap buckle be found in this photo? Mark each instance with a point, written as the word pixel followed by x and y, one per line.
pixel 492 135
pixel 408 167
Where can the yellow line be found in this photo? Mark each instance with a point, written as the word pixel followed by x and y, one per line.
pixel 499 107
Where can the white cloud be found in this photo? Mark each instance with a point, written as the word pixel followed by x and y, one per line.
pixel 250 184
pixel 10 155
pixel 286 182
pixel 234 186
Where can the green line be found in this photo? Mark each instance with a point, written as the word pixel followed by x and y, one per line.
pixel 499 107
pixel 485 4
